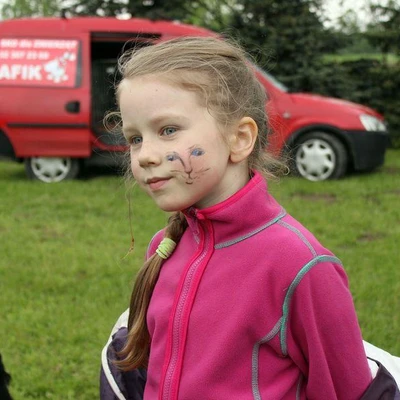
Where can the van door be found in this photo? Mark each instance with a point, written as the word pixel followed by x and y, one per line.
pixel 46 83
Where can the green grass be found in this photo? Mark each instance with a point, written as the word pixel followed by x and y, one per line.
pixel 64 278
pixel 391 58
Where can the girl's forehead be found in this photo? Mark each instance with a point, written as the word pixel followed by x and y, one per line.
pixel 148 98
pixel 148 79
pixel 153 88
pixel 152 93
pixel 148 83
pixel 191 81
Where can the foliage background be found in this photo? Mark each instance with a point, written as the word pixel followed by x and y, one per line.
pixel 289 38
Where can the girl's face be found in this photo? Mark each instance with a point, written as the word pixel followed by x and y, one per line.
pixel 178 154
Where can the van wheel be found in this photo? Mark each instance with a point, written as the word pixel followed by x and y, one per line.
pixel 319 156
pixel 51 169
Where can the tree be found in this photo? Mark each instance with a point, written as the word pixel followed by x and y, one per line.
pixel 289 32
pixel 350 36
pixel 152 9
pixel 160 9
pixel 208 13
pixel 383 32
pixel 29 8
pixel 103 8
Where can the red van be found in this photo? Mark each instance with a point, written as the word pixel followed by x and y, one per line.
pixel 56 83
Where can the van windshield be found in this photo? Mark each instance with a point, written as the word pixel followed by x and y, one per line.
pixel 272 79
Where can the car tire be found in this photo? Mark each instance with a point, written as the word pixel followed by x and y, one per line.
pixel 51 169
pixel 319 156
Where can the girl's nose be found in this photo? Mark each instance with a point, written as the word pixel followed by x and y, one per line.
pixel 148 155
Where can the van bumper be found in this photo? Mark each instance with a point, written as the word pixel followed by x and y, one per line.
pixel 368 148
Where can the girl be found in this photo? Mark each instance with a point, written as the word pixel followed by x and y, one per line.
pixel 237 300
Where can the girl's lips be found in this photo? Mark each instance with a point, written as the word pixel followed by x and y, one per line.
pixel 158 184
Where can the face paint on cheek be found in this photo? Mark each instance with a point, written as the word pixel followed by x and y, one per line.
pixel 197 152
pixel 173 156
pixel 185 161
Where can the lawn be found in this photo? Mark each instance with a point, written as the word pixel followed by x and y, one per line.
pixel 66 276
pixel 390 58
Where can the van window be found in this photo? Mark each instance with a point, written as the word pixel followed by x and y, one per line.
pixel 39 62
pixel 272 79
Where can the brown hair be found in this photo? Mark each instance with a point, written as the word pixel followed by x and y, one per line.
pixel 219 72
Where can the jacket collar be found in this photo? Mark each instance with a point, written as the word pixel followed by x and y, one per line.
pixel 247 212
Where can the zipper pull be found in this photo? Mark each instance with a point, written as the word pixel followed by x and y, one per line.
pixel 200 216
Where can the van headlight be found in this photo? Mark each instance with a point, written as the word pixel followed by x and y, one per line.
pixel 371 123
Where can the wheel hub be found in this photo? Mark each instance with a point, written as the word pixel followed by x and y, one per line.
pixel 315 160
pixel 50 169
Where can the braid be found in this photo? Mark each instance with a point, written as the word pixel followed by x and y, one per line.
pixel 135 354
pixel 177 225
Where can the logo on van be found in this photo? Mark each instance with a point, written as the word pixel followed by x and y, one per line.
pixel 38 62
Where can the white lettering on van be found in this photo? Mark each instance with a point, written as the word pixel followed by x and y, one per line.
pixel 55 44
pixel 8 43
pixel 17 55
pixel 25 44
pixel 43 55
pixel 45 44
pixel 18 71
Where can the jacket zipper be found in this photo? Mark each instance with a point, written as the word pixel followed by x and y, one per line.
pixel 171 375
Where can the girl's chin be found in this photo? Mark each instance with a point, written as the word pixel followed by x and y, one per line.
pixel 172 207
pixel 168 203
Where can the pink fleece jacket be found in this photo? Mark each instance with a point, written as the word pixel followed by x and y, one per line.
pixel 251 306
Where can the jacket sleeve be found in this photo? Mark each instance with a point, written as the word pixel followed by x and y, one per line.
pixel 115 383
pixel 323 335
pixel 383 386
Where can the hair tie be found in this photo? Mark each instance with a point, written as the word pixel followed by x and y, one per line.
pixel 165 248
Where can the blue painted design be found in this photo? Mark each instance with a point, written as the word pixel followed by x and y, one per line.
pixel 197 152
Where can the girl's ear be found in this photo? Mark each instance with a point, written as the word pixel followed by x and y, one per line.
pixel 242 139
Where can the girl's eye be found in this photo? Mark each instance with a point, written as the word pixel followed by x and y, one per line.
pixel 135 140
pixel 168 131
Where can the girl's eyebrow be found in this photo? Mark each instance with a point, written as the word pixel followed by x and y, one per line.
pixel 129 131
pixel 163 118
pixel 156 121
